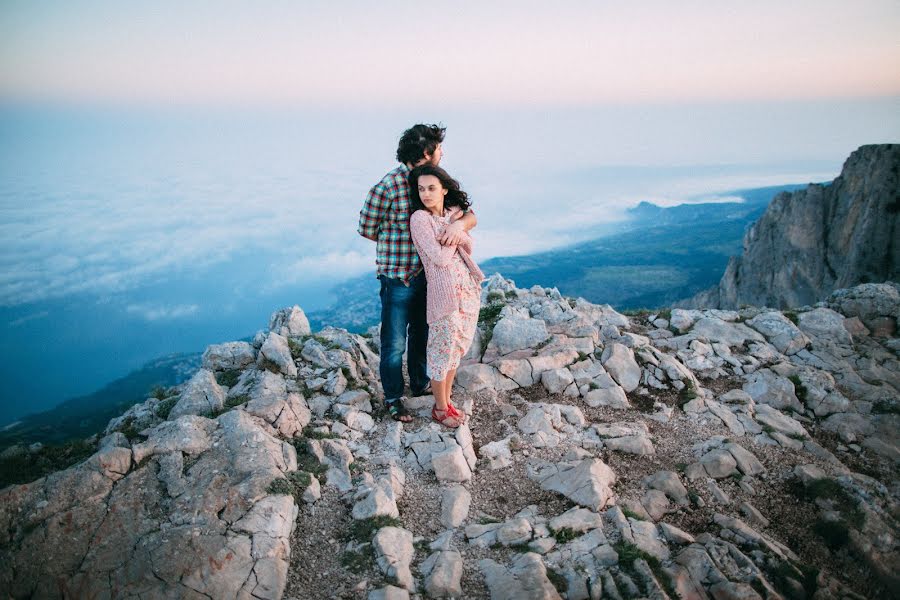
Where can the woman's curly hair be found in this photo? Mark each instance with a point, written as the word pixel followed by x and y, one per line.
pixel 455 196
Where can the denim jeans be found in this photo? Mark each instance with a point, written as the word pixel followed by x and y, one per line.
pixel 403 327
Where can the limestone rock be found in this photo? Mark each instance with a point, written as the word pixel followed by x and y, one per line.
pixel 555 381
pixel 394 553
pixel 821 238
pixel 451 465
pixel 290 322
pixel 455 501
pixel 767 387
pixel 780 332
pixel 619 361
pixel 497 453
pixel 613 397
pixel 444 575
pixel 779 421
pixel 515 333
pixel 514 531
pixel 526 579
pixel 200 396
pixel 719 463
pixel 587 482
pixel 577 519
pixel 276 353
pixel 231 355
pixel 669 483
pixel 826 324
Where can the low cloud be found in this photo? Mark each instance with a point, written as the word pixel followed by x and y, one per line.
pixel 27 318
pixel 150 312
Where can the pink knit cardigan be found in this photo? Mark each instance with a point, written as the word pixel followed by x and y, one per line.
pixel 442 297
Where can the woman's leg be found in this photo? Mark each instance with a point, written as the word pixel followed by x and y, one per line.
pixel 441 395
pixel 451 375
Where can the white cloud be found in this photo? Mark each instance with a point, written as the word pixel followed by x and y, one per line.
pixel 22 320
pixel 150 312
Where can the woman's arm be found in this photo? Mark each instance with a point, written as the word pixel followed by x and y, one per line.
pixel 425 241
pixel 455 230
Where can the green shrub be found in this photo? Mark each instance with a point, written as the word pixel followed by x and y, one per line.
pixel 565 534
pixel 559 582
pixel 295 347
pixel 799 389
pixel 687 393
pixel 129 430
pixel 488 317
pixel 228 378
pixel 165 407
pixel 363 530
pixel 29 466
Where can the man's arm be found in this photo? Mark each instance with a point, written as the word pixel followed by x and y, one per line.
pixel 372 213
pixel 455 231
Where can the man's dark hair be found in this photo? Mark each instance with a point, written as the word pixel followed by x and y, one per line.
pixel 419 140
pixel 455 196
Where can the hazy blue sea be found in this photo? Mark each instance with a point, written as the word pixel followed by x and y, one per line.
pixel 126 235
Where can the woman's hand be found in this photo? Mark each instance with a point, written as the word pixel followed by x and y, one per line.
pixel 453 234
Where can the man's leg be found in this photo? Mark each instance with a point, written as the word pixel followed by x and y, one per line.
pixel 416 357
pixel 395 299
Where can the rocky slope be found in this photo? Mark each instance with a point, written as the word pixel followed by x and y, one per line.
pixel 696 454
pixel 813 241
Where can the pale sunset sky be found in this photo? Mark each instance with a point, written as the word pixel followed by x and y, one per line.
pixel 468 54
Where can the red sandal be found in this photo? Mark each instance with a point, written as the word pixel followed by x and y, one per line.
pixel 450 417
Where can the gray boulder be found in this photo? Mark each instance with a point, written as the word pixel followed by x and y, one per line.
pixel 231 355
pixel 276 353
pixel 201 395
pixel 780 332
pixel 619 361
pixel 290 322
pixel 516 333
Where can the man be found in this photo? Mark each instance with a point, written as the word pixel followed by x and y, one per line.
pixel 384 219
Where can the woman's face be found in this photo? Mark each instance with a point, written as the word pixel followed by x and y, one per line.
pixel 431 192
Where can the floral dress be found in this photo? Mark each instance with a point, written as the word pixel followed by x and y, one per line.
pixel 450 337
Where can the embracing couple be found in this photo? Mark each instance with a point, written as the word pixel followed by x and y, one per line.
pixel 430 286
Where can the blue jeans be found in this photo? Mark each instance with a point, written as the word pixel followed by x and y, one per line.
pixel 402 311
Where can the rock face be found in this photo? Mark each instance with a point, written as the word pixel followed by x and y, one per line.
pixel 826 237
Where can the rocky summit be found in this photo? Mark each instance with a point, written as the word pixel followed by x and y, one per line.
pixel 724 454
pixel 825 237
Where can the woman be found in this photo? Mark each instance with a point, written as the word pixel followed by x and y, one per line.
pixel 454 283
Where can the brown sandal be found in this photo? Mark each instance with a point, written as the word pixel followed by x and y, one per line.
pixel 449 417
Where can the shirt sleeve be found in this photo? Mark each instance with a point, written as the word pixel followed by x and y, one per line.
pixel 372 212
pixel 426 243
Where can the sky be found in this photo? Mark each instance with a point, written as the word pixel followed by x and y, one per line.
pixel 504 53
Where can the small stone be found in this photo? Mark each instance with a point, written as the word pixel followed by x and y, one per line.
pixel 444 580
pixel 719 464
pixel 656 504
pixel 576 519
pixel 718 493
pixel 514 531
pixel 455 502
pixel 451 465
pixel 753 514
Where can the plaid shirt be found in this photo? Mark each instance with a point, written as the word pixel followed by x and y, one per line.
pixel 384 218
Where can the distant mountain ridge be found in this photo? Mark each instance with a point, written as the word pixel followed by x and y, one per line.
pixel 821 238
pixel 84 416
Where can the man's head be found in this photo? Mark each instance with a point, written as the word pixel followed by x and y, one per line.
pixel 421 144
